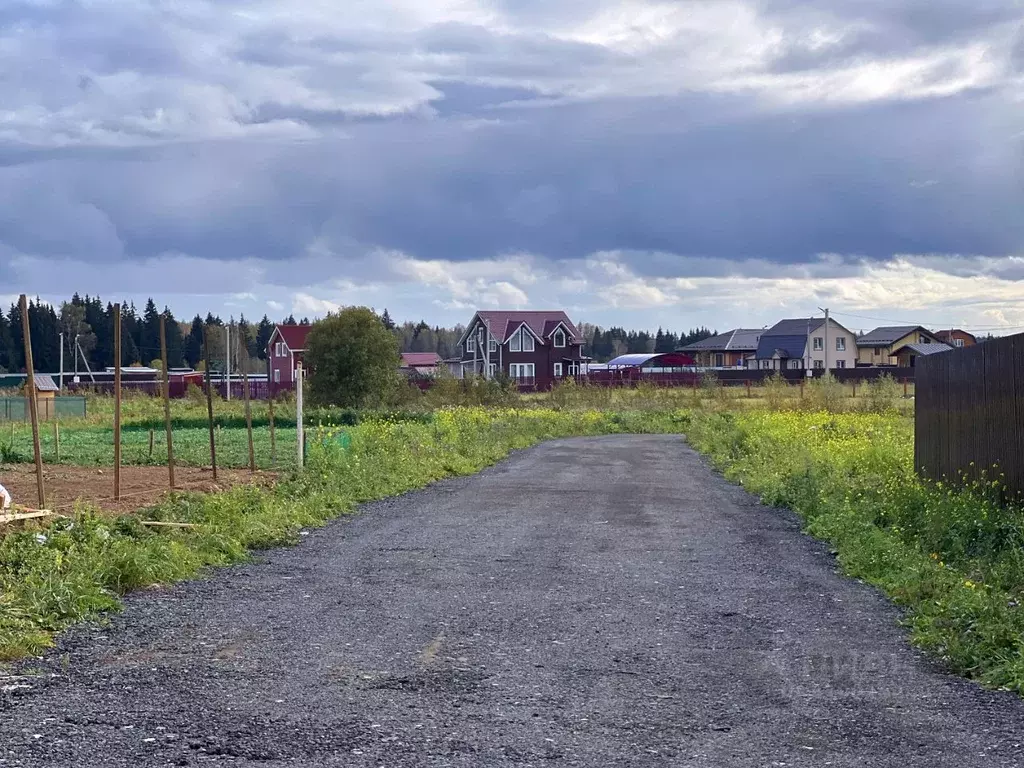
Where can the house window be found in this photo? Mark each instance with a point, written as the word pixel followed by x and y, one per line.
pixel 878 350
pixel 794 364
pixel 277 350
pixel 819 343
pixel 492 345
pixel 521 370
pixel 558 368
pixel 922 339
pixel 766 364
pixel 527 341
pixel 719 360
pixel 277 375
pixel 840 343
pixel 559 338
pixel 840 363
pixel 492 370
pixel 819 364
pixel 958 342
pixel 471 344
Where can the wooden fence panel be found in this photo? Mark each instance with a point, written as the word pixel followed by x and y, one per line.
pixel 967 413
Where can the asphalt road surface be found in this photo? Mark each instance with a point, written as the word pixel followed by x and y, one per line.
pixel 595 602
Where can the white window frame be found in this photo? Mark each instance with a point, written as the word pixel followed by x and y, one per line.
pixel 958 342
pixel 766 365
pixel 559 334
pixel 492 370
pixel 277 375
pixel 840 343
pixel 819 343
pixel 528 343
pixel 794 364
pixel 819 365
pixel 522 370
pixel 471 344
pixel 558 370
pixel 515 344
pixel 840 363
pixel 492 344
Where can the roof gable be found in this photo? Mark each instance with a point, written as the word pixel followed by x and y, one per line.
pixel 889 334
pixel 736 340
pixel 502 324
pixel 292 335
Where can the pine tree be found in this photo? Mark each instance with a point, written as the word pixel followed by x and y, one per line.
pixel 386 319
pixel 175 341
pixel 263 333
pixel 194 343
pixel 149 333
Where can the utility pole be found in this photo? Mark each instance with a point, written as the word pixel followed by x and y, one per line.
pixel 825 310
pixel 227 362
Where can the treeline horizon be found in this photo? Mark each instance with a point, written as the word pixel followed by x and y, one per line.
pixel 88 327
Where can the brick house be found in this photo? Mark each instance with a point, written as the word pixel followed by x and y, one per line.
pixel 534 348
pixel 284 352
pixel 957 338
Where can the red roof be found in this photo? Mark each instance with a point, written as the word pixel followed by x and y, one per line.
pixel 542 323
pixel 294 336
pixel 420 359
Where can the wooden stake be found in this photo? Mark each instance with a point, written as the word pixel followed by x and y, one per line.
pixel 117 402
pixel 248 410
pixel 167 400
pixel 151 436
pixel 209 401
pixel 56 439
pixel 33 406
pixel 273 443
pixel 162 524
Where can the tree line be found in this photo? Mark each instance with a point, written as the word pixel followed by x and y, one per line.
pixel 88 327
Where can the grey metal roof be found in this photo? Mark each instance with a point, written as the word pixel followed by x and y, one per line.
pixel 879 337
pixel 787 337
pixel 736 340
pixel 927 349
pixel 45 383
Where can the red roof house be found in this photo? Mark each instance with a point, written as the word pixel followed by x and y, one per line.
pixel 284 352
pixel 533 347
pixel 420 362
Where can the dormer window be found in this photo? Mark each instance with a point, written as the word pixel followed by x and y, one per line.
pixel 470 344
pixel 559 338
pixel 521 341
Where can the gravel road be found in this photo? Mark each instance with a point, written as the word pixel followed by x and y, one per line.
pixel 592 602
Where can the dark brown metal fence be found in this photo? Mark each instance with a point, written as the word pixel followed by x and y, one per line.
pixel 967 413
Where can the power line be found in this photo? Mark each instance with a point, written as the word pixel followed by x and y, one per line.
pixel 943 324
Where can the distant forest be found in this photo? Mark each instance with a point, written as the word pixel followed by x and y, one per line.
pixel 90 321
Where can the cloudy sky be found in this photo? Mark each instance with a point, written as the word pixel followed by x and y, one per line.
pixel 643 163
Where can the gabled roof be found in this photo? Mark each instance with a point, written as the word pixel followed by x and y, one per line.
pixel 45 383
pixel 787 338
pixel 927 349
pixel 947 334
pixel 737 340
pixel 420 359
pixel 542 323
pixel 293 335
pixel 888 334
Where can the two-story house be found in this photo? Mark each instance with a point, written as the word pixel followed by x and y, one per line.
pixel 726 350
pixel 533 347
pixel 881 347
pixel 284 353
pixel 806 343
pixel 957 337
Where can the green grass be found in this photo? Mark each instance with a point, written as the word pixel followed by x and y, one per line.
pixel 953 557
pixel 78 569
pixel 94 446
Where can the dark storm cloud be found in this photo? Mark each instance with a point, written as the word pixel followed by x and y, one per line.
pixel 452 140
